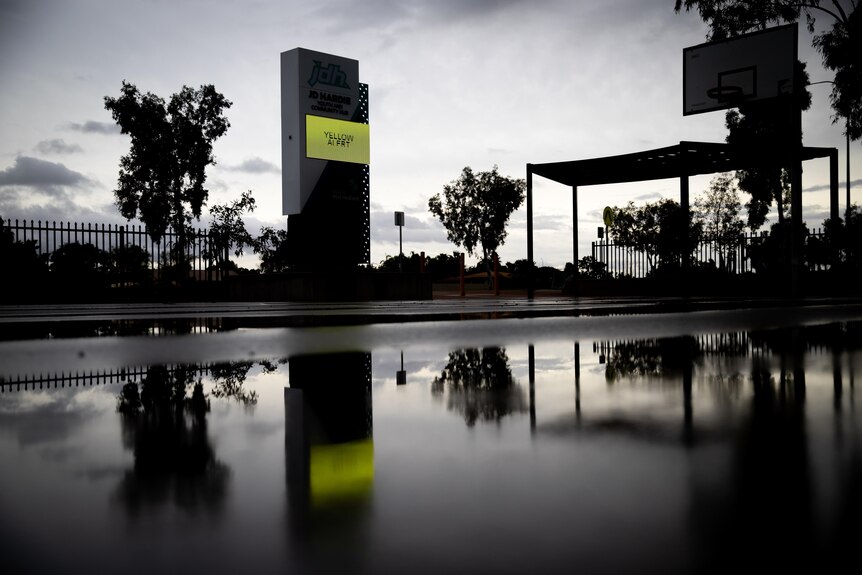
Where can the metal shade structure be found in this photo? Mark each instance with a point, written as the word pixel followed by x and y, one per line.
pixel 678 161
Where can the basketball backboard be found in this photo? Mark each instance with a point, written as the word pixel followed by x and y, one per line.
pixel 748 68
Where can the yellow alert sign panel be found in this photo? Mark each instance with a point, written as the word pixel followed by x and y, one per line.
pixel 338 140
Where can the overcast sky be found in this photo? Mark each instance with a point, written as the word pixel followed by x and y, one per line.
pixel 453 83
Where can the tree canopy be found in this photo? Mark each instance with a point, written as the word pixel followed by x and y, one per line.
pixel 161 179
pixel 475 209
pixel 661 230
pixel 717 211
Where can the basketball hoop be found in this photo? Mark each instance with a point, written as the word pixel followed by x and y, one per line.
pixel 724 94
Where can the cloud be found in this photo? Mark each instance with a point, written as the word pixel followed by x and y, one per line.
pixel 825 187
pixel 33 172
pixel 93 127
pixel 255 166
pixel 57 146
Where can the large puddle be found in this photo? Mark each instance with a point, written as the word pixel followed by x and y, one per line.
pixel 669 444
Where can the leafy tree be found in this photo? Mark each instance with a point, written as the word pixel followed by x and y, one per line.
pixel 843 239
pixel 770 254
pixel 162 178
pixel 475 208
pixel 443 266
pixel 481 385
pixel 840 45
pixel 21 258
pixel 659 230
pixel 227 228
pixel 717 211
pixel 81 265
pixel 271 246
pixel 763 129
pixel 130 264
pixel 411 263
pixel 590 268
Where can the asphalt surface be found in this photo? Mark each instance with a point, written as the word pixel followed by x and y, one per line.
pixel 82 338
pixel 289 314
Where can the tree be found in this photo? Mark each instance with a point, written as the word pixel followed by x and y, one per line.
pixel 475 208
pixel 80 266
pixel 481 385
pixel 840 45
pixel 763 130
pixel 717 211
pixel 660 230
pixel 227 228
pixel 590 268
pixel 843 239
pixel 162 178
pixel 271 246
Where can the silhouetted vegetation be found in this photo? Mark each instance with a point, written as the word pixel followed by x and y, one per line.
pixel 162 177
pixel 479 384
pixel 838 44
pixel 167 430
pixel 475 209
pixel 661 231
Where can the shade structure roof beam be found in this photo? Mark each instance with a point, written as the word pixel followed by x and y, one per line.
pixel 683 159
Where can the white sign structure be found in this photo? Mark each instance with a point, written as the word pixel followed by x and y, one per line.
pixel 320 101
pixel 723 74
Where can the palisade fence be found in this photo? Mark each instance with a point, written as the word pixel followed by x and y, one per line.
pixel 92 378
pixel 624 261
pixel 203 257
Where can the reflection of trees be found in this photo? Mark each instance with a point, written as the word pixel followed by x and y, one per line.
pixel 230 376
pixel 167 430
pixel 651 357
pixel 480 385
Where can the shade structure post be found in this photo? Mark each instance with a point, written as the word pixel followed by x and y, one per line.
pixel 530 231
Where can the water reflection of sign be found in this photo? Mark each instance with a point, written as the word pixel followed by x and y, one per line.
pixel 340 472
pixel 330 139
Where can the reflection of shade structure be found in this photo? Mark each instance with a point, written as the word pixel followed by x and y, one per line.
pixel 330 453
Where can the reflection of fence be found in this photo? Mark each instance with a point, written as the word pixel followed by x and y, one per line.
pixel 200 253
pixel 708 344
pixel 87 379
pixel 624 261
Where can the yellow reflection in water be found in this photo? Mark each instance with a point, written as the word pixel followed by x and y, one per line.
pixel 341 473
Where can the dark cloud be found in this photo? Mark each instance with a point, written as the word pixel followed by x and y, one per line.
pixel 33 172
pixel 93 127
pixel 18 203
pixel 825 187
pixel 255 166
pixel 57 146
pixel 388 14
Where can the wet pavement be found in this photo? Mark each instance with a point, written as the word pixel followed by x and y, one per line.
pixel 441 308
pixel 35 339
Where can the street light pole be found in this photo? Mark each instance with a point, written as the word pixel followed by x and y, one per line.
pixel 399 221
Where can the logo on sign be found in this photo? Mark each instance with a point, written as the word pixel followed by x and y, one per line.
pixel 331 75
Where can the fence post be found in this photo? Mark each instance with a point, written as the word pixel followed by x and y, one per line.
pixel 122 249
pixel 496 274
pixel 226 260
pixel 461 272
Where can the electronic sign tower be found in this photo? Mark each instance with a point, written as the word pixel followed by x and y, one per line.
pixel 325 159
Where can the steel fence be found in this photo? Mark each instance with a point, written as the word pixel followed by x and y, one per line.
pixel 201 254
pixel 625 261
